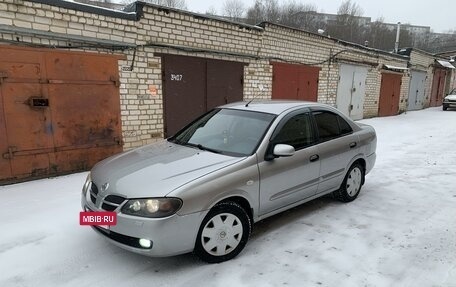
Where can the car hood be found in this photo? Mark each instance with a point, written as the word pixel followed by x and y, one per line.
pixel 451 97
pixel 157 169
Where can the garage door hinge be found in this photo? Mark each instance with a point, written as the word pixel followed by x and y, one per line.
pixel 115 80
pixel 10 153
pixel 119 141
pixel 3 76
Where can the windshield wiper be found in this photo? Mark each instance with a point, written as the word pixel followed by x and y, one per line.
pixel 201 147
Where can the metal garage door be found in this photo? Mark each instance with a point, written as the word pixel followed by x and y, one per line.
pixel 351 90
pixel 438 87
pixel 295 82
pixel 416 91
pixel 59 111
pixel 390 91
pixel 193 86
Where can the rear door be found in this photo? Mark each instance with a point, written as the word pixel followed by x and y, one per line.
pixel 338 145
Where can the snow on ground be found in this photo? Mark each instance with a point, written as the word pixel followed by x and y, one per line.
pixel 401 231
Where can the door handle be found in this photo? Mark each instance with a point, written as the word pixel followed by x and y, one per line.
pixel 314 157
pixel 353 144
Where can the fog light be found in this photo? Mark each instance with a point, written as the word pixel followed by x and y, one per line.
pixel 145 243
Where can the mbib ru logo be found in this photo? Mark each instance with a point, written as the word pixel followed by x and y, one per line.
pixel 97 218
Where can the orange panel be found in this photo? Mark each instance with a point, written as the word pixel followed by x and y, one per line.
pixel 438 86
pixel 295 82
pixel 60 111
pixel 390 91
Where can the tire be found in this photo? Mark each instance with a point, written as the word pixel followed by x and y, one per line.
pixel 445 107
pixel 223 233
pixel 351 186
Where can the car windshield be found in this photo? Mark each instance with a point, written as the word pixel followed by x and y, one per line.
pixel 453 92
pixel 226 131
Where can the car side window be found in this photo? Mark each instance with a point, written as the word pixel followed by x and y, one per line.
pixel 330 125
pixel 297 132
pixel 345 128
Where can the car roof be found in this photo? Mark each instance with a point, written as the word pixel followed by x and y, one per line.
pixel 271 106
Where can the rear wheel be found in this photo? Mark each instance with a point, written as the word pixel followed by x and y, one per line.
pixel 223 233
pixel 351 186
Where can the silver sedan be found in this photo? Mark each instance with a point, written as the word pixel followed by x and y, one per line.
pixel 202 189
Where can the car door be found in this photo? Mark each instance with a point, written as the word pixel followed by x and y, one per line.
pixel 286 180
pixel 338 145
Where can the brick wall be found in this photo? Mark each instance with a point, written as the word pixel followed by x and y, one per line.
pixel 310 49
pixel 169 31
pixel 422 61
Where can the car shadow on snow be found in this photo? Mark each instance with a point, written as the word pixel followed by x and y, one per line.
pixel 261 231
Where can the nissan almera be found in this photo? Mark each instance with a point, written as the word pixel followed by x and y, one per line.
pixel 202 189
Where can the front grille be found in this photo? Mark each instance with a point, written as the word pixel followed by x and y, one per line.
pixel 93 192
pixel 111 202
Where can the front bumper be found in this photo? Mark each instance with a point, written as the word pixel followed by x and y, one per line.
pixel 449 104
pixel 170 236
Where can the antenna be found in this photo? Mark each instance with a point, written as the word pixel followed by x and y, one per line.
pixel 261 88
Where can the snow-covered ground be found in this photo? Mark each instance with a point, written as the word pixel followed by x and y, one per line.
pixel 401 231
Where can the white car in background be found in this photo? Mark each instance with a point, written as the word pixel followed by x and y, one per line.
pixel 450 100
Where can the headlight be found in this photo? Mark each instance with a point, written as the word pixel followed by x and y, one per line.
pixel 86 185
pixel 152 207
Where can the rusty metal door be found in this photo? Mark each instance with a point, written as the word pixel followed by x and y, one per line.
pixel 194 85
pixel 295 82
pixel 390 91
pixel 438 87
pixel 60 112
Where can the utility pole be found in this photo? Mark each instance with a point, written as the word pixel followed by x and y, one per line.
pixel 396 45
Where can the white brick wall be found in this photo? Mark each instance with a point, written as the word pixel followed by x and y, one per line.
pixel 142 112
pixel 423 61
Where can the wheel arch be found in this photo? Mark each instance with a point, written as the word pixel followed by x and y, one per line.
pixel 243 202
pixel 360 160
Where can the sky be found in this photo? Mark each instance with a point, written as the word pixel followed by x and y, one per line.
pixel 438 14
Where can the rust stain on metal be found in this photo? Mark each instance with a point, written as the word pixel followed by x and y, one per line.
pixel 59 111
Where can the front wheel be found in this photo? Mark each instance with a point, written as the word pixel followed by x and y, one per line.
pixel 351 186
pixel 445 107
pixel 223 233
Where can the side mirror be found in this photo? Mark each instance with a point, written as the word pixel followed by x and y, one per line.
pixel 283 150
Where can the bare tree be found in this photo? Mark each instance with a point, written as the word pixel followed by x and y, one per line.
pixel 234 9
pixel 302 16
pixel 264 10
pixel 255 14
pixel 211 11
pixel 349 23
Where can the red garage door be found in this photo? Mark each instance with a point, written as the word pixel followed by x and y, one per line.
pixel 59 112
pixel 438 87
pixel 390 91
pixel 295 82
